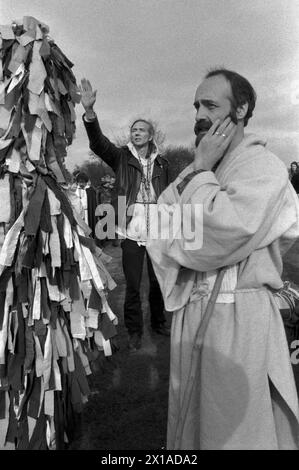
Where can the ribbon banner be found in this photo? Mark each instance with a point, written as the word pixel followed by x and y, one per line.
pixel 50 324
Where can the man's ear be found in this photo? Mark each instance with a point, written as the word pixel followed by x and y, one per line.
pixel 242 111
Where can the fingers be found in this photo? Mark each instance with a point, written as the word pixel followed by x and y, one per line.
pixel 229 133
pixel 214 127
pixel 86 85
pixel 218 128
pixel 223 126
pixel 225 132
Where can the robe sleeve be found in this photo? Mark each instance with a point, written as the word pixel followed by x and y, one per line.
pixel 236 217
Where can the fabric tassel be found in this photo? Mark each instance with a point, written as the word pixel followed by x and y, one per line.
pixel 53 284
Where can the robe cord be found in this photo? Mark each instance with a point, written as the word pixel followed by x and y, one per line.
pixel 195 356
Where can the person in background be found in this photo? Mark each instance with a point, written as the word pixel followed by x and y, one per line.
pixel 106 196
pixel 294 176
pixel 88 198
pixel 141 174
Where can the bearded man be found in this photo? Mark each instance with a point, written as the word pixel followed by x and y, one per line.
pixel 237 391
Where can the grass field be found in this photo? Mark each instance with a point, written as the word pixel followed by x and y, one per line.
pixel 128 405
pixel 127 409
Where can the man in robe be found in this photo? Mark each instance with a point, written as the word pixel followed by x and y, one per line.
pixel 237 391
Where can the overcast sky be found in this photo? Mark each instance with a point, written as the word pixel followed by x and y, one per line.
pixel 148 56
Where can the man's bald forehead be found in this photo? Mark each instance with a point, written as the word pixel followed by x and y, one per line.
pixel 214 85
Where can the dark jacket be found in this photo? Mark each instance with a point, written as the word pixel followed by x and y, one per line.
pixel 295 182
pixel 92 202
pixel 126 167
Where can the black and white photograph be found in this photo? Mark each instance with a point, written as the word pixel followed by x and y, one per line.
pixel 149 228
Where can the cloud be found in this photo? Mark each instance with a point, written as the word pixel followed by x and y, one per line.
pixel 148 56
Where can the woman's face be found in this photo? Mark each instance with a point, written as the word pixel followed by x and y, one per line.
pixel 293 167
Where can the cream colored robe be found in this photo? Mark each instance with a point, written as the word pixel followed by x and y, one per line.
pixel 244 395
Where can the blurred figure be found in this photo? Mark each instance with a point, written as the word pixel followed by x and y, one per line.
pixel 294 176
pixel 293 169
pixel 88 198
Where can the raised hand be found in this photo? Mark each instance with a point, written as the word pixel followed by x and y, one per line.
pixel 88 95
pixel 214 144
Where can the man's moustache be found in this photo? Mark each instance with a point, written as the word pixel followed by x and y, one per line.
pixel 202 126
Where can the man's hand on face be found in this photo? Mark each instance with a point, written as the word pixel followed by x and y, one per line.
pixel 214 144
pixel 88 97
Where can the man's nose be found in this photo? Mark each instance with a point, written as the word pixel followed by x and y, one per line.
pixel 201 114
